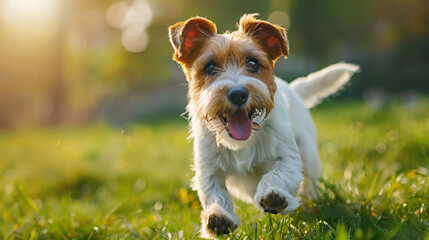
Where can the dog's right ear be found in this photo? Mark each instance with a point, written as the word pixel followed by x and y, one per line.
pixel 272 37
pixel 187 38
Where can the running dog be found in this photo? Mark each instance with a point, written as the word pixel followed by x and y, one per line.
pixel 254 137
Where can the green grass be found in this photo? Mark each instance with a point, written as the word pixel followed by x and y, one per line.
pixel 99 183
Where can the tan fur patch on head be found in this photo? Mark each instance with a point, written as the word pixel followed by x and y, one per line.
pixel 198 46
pixel 226 50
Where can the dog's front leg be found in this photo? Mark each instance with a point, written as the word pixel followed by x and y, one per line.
pixel 276 189
pixel 218 215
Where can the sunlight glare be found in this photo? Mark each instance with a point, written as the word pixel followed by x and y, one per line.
pixel 28 10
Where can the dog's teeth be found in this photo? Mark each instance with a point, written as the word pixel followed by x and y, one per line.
pixel 255 113
pixel 255 126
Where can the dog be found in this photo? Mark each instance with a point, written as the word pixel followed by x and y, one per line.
pixel 253 134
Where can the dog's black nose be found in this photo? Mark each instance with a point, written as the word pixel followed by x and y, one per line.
pixel 238 96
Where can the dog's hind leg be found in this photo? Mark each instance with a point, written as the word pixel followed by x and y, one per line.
pixel 306 139
pixel 312 166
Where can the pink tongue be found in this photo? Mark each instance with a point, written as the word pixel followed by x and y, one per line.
pixel 239 125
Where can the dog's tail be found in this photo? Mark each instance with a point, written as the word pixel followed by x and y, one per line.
pixel 319 85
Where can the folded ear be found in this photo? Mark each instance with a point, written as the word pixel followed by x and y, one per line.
pixel 272 37
pixel 187 38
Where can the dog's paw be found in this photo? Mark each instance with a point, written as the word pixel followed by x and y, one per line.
pixel 274 200
pixel 216 221
pixel 220 225
pixel 273 203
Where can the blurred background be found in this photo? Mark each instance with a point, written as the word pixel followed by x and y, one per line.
pixel 76 62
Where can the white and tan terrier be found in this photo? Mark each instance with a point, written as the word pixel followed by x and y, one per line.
pixel 253 134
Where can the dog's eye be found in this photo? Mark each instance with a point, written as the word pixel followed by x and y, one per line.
pixel 252 65
pixel 210 69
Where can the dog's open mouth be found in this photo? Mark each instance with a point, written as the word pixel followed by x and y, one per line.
pixel 240 124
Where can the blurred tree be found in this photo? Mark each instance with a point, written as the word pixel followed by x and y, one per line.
pixel 59 90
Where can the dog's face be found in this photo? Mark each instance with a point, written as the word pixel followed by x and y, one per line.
pixel 230 75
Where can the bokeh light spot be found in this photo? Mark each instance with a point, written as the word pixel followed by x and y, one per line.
pixel 134 39
pixel 280 18
pixel 116 13
pixel 133 21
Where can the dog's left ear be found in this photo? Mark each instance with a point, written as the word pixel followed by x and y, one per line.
pixel 272 37
pixel 187 38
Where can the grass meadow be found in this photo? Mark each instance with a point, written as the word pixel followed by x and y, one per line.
pixel 101 182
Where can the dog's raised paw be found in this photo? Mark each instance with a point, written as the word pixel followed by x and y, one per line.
pixel 273 203
pixel 219 225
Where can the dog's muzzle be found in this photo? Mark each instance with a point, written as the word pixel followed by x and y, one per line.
pixel 240 123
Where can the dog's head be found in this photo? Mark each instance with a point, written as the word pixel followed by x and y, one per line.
pixel 230 75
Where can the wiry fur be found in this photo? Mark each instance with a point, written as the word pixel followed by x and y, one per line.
pixel 267 168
